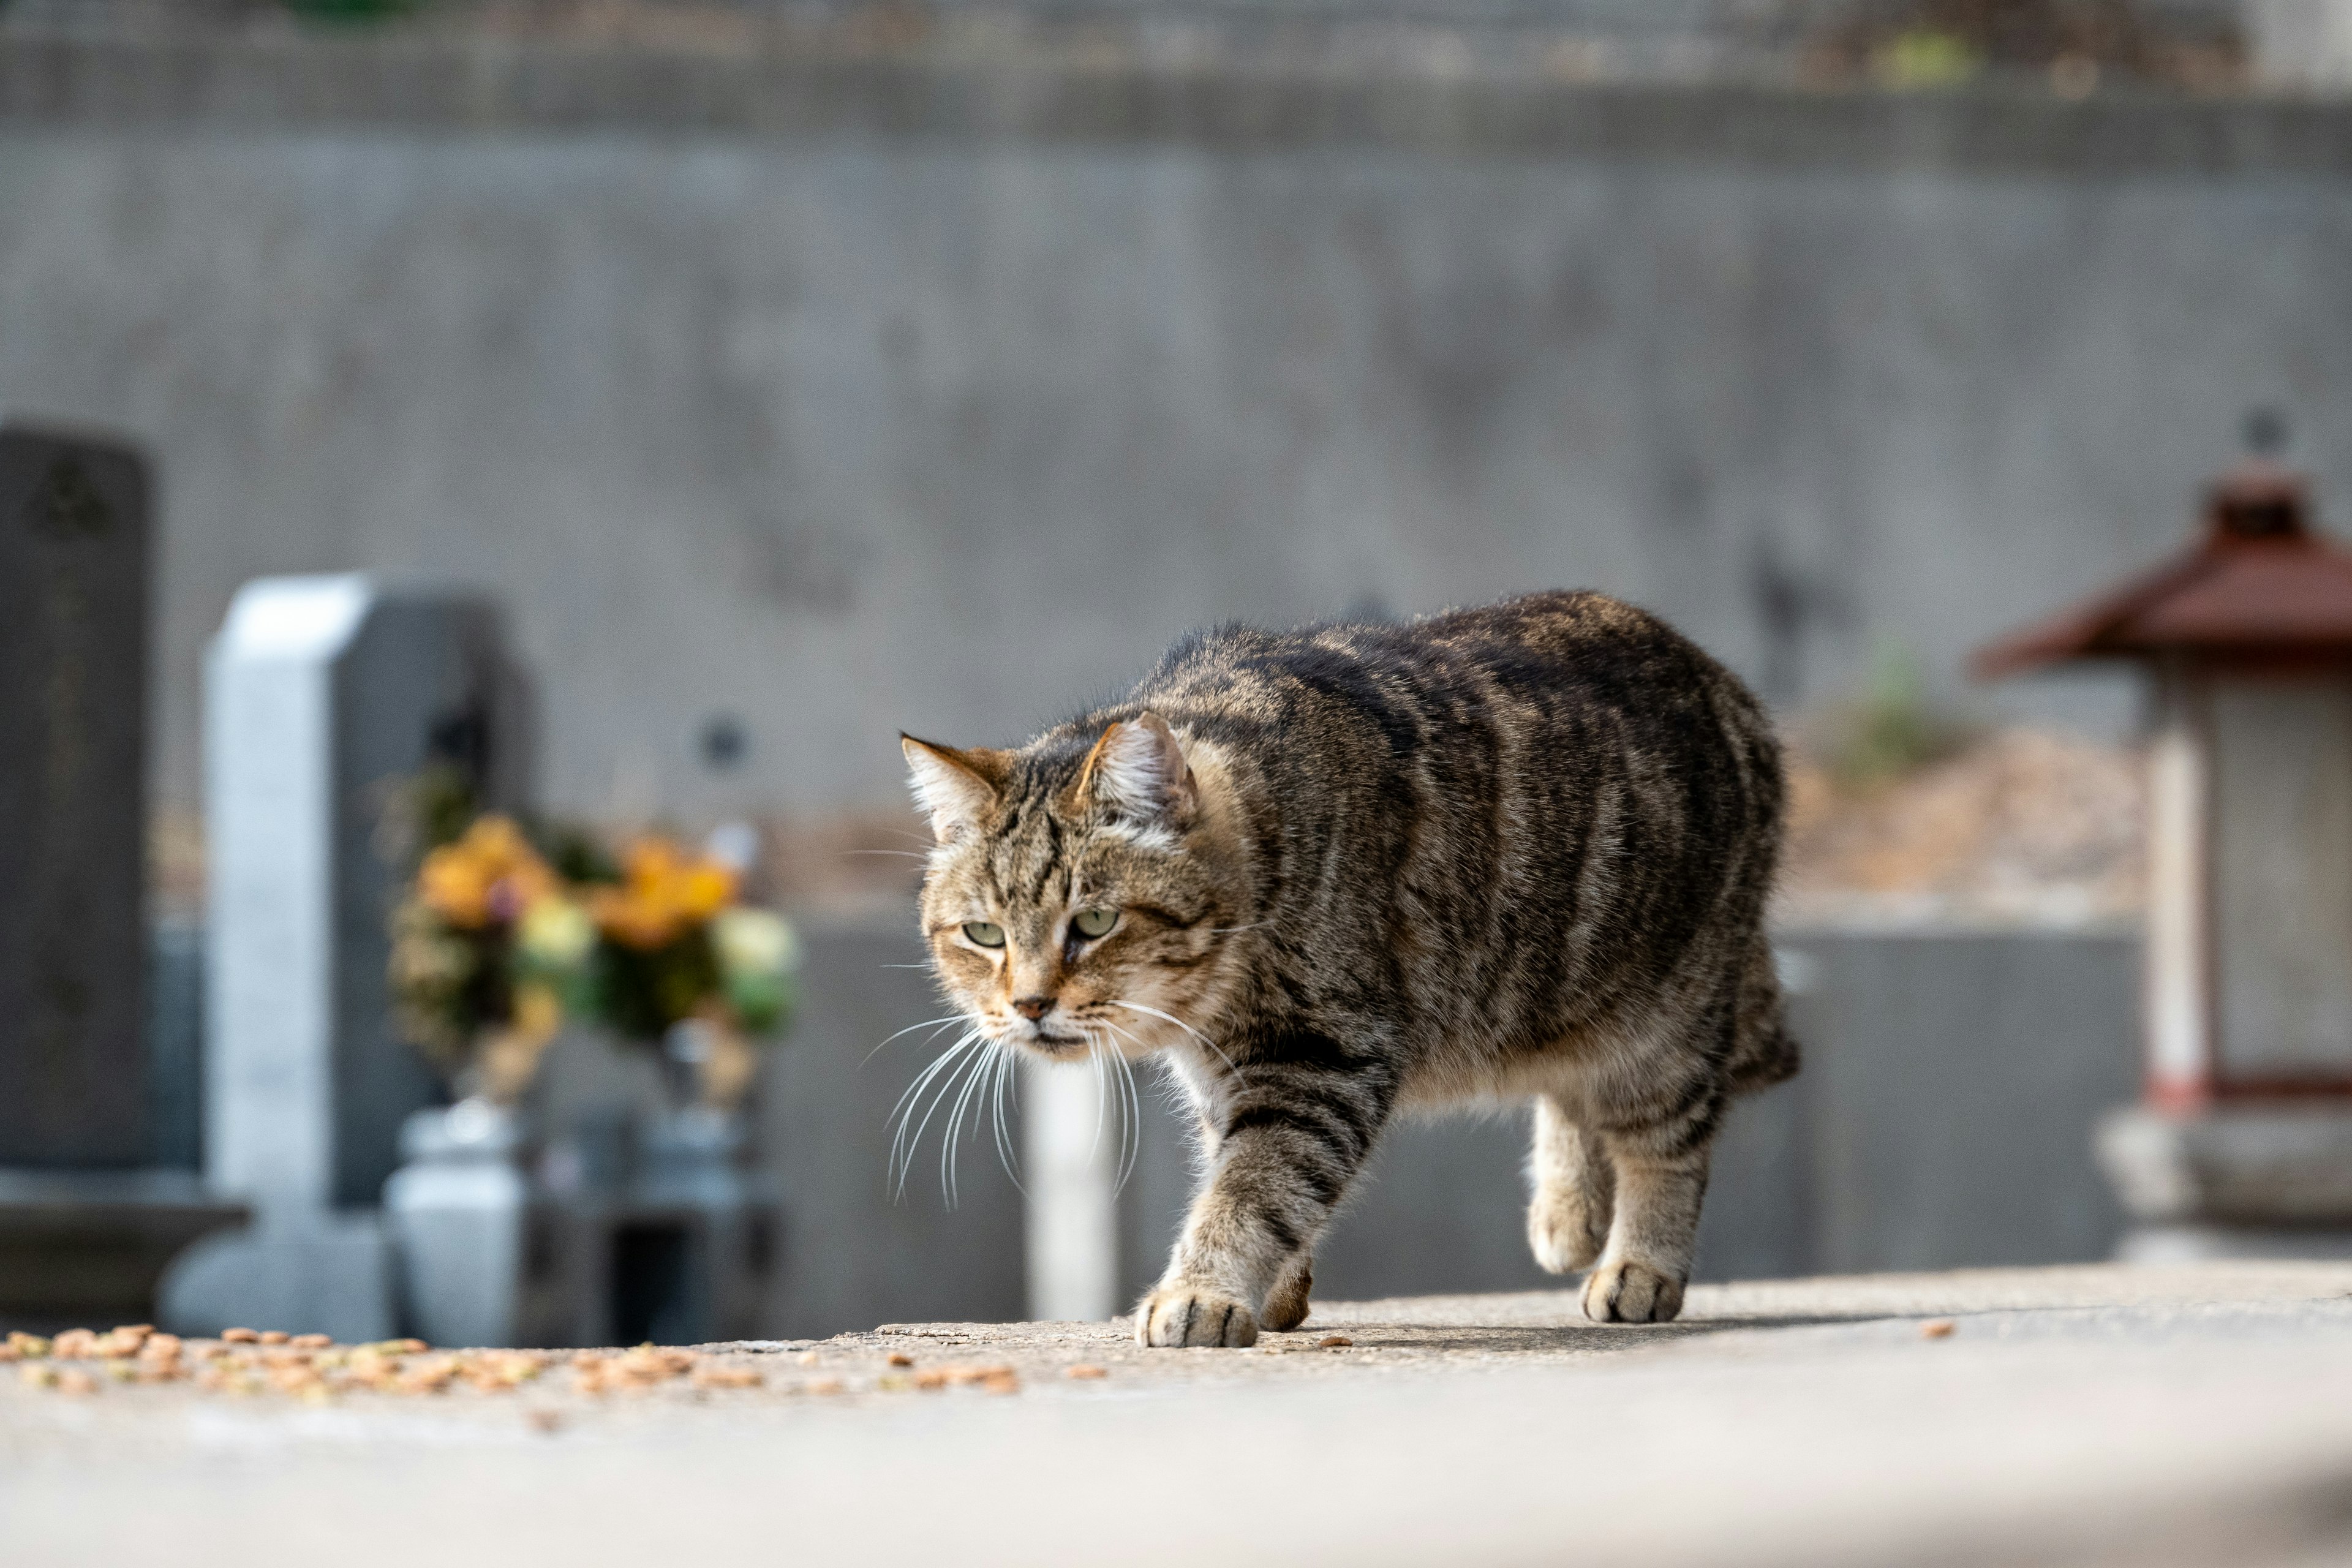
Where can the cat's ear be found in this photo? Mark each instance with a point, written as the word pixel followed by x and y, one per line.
pixel 954 788
pixel 1138 771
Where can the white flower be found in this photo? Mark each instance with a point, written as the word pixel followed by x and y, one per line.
pixel 755 942
pixel 557 933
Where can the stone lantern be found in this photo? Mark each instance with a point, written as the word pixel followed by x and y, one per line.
pixel 2243 1141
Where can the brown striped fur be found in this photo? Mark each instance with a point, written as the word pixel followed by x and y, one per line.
pixel 1519 851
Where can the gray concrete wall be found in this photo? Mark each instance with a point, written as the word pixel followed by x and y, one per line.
pixel 843 396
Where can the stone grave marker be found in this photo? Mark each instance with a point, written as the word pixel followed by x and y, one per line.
pixel 325 696
pixel 87 1224
pixel 73 682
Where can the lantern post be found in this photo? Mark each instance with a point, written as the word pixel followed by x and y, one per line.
pixel 2242 1142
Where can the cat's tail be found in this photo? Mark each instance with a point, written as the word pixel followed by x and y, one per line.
pixel 1765 1052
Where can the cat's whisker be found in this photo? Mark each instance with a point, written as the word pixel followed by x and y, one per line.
pixel 937 1062
pixel 1132 1108
pixel 946 1088
pixel 1008 1073
pixel 1139 1008
pixel 902 1147
pixel 952 1138
pixel 926 1023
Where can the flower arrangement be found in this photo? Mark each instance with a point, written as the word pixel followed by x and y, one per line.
pixel 484 948
pixel 681 964
pixel 494 946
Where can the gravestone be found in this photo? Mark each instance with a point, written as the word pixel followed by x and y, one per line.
pixel 325 697
pixel 73 682
pixel 86 1224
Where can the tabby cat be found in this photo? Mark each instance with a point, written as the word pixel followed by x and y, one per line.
pixel 1339 872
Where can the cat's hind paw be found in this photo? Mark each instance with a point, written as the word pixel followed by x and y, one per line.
pixel 1632 1293
pixel 1564 1233
pixel 1187 1315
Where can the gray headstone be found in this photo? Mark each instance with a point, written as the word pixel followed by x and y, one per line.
pixel 324 696
pixel 73 672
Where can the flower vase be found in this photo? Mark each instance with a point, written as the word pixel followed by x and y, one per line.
pixel 465 1215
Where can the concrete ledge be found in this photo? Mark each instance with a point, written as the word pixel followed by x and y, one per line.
pixel 426 82
pixel 2269 1164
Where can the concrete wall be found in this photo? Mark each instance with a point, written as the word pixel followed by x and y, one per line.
pixel 847 396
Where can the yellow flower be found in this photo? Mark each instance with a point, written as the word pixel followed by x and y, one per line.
pixel 492 874
pixel 455 886
pixel 662 894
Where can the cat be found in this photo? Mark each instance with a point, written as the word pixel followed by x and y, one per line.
pixel 1515 852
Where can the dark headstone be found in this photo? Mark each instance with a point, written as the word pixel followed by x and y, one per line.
pixel 73 668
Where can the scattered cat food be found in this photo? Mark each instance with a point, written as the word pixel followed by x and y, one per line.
pixel 828 1385
pixel 1334 1343
pixel 807 1358
pixel 1084 1372
pixel 543 1420
pixel 240 1336
pixel 720 1375
pixel 899 1358
pixel 307 1342
pixel 74 1380
pixel 1936 1328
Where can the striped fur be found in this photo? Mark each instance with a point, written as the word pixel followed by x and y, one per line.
pixel 1520 851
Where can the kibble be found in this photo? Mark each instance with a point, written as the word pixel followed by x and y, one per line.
pixel 240 1337
pixel 716 1375
pixel 1937 1329
pixel 1084 1372
pixel 1334 1343
pixel 899 1358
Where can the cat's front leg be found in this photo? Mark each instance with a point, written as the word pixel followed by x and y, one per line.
pixel 1291 1137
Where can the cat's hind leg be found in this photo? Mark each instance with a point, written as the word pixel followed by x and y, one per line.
pixel 1660 1163
pixel 1286 1304
pixel 1574 1194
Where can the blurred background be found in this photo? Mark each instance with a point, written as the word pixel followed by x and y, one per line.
pixel 765 378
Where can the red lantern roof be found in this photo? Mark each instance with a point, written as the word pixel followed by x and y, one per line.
pixel 2259 585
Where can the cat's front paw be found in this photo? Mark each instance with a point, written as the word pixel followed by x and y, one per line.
pixel 1189 1315
pixel 1632 1293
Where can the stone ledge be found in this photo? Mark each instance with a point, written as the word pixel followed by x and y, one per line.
pixel 2282 1165
pixel 455 84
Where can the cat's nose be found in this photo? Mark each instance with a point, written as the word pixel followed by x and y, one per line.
pixel 1033 1007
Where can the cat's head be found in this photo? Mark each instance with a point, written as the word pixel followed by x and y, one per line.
pixel 1081 892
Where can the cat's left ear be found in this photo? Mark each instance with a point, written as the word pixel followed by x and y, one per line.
pixel 1138 771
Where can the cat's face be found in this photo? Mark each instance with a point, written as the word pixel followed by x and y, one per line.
pixel 1077 901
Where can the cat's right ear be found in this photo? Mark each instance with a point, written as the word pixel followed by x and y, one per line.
pixel 954 788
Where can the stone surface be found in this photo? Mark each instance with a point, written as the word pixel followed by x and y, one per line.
pixel 2095 1415
pixel 74 555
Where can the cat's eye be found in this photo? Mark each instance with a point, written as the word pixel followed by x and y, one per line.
pixel 984 933
pixel 1092 923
